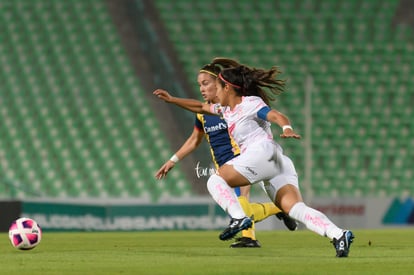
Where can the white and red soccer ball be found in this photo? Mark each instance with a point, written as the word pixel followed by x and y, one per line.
pixel 25 233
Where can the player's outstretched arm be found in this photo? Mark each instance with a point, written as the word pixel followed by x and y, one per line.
pixel 280 119
pixel 192 105
pixel 192 142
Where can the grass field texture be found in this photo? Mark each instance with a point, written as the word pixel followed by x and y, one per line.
pixel 201 252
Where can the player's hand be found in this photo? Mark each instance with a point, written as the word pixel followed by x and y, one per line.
pixel 163 171
pixel 163 94
pixel 289 133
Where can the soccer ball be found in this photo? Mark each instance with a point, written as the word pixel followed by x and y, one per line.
pixel 25 233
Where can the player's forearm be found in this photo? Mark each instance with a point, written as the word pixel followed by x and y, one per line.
pixel 278 118
pixel 192 142
pixel 282 120
pixel 192 105
pixel 187 148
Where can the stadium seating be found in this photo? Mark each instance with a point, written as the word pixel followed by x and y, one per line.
pixel 348 53
pixel 74 121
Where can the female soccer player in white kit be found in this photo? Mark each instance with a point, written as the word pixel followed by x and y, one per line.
pixel 223 148
pixel 244 104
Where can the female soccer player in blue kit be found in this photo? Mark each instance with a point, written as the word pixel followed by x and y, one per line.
pixel 223 148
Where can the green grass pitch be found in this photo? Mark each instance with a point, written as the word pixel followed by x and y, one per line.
pixel 385 251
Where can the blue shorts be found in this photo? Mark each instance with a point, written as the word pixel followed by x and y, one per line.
pixel 237 190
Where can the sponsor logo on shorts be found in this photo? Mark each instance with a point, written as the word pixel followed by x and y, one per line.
pixel 251 171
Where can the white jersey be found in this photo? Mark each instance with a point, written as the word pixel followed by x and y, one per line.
pixel 243 122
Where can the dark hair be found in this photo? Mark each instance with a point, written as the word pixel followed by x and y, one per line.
pixel 254 82
pixel 225 63
pixel 218 64
pixel 211 69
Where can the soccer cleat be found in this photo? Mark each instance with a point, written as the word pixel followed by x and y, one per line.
pixel 235 226
pixel 290 223
pixel 245 242
pixel 343 244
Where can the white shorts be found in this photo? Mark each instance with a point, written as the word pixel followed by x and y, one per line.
pixel 265 161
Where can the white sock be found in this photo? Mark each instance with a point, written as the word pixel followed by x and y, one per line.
pixel 315 221
pixel 225 196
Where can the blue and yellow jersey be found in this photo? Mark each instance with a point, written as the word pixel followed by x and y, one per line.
pixel 223 148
